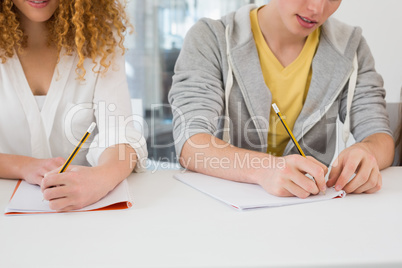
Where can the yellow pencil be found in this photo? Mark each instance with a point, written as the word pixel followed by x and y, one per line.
pixel 78 147
pixel 276 109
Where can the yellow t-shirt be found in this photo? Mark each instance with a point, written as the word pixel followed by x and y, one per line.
pixel 289 86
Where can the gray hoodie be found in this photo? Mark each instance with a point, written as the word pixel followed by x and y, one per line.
pixel 197 95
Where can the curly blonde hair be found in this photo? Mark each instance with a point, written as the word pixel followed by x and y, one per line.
pixel 83 26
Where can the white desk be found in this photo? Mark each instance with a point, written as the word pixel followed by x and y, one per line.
pixel 173 225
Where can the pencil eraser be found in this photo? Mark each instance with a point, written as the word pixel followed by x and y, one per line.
pixel 276 109
pixel 91 127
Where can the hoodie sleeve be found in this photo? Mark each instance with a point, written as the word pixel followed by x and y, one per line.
pixel 368 113
pixel 197 93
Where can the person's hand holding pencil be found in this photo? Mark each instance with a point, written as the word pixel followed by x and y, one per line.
pixel 290 179
pixel 301 176
pixel 46 184
pixel 73 187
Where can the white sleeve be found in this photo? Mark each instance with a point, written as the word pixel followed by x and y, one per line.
pixel 114 118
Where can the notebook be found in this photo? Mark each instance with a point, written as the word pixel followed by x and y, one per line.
pixel 244 196
pixel 28 199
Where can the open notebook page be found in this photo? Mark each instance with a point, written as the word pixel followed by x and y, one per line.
pixel 243 195
pixel 28 198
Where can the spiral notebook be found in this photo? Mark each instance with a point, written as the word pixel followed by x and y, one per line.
pixel 28 199
pixel 244 196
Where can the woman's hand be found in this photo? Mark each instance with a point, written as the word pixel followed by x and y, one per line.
pixel 81 186
pixel 291 179
pixel 33 170
pixel 75 188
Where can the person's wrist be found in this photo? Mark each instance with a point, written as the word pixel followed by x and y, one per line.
pixel 110 174
pixel 23 166
pixel 261 167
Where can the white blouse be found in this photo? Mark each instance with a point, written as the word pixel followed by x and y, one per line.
pixel 69 108
pixel 40 101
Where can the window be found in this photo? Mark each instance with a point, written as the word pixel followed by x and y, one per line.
pixel 160 28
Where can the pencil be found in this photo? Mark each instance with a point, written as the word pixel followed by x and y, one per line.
pixel 78 147
pixel 285 125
